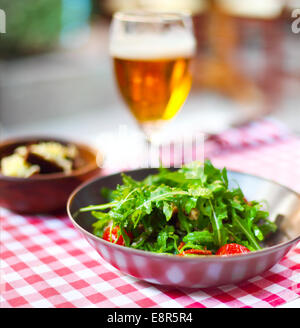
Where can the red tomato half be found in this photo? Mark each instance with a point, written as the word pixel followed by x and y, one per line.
pixel 181 245
pixel 195 251
pixel 230 249
pixel 113 236
pixel 247 202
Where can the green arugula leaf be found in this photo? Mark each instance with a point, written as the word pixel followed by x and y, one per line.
pixel 245 225
pixel 203 237
pixel 167 210
pixel 217 224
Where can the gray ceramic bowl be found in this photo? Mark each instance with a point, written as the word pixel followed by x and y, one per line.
pixel 206 271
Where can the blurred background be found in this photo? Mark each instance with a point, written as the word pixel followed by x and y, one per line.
pixel 56 74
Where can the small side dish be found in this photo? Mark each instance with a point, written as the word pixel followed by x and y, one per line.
pixel 39 158
pixel 188 212
pixel 38 173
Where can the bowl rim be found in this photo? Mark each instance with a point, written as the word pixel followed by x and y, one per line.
pixel 173 256
pixel 49 176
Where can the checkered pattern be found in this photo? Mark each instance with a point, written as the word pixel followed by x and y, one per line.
pixel 45 262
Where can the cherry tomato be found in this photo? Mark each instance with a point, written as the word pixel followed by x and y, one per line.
pixel 195 252
pixel 181 245
pixel 247 202
pixel 230 249
pixel 113 235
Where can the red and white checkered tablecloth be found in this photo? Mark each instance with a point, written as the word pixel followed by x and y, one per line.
pixel 45 262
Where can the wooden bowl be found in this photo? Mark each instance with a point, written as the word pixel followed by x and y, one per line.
pixel 44 193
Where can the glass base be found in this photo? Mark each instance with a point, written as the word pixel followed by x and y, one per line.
pixel 152 130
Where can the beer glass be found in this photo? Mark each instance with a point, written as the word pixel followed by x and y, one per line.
pixel 151 55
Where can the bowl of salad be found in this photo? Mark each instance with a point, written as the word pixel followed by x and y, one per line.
pixel 197 226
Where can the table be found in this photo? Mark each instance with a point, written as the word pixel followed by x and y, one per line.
pixel 46 263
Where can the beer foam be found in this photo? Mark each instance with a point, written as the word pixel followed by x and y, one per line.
pixel 153 46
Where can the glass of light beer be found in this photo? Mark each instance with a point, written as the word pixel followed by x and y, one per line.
pixel 151 56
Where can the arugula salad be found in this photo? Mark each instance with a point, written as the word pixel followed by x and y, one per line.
pixel 187 212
